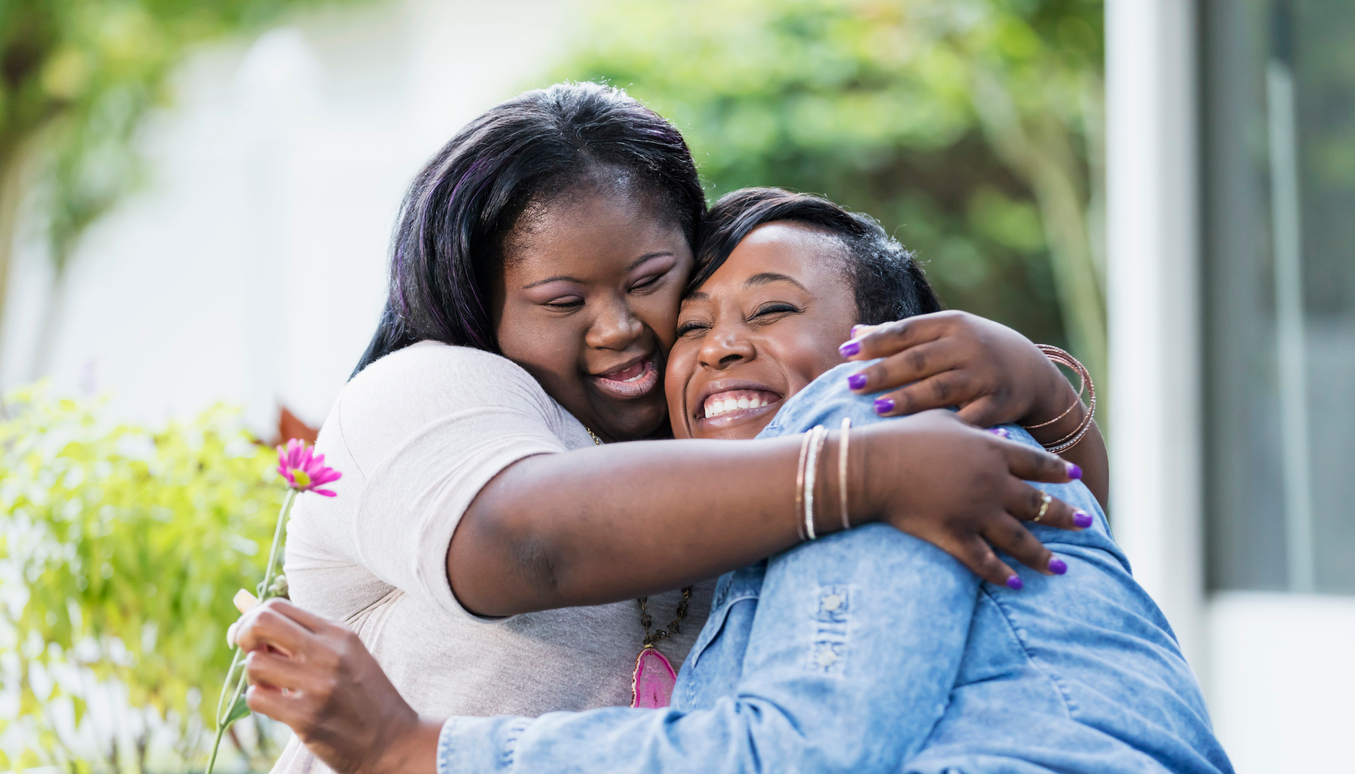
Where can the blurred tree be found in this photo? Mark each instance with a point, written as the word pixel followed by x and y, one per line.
pixel 970 128
pixel 77 79
pixel 120 548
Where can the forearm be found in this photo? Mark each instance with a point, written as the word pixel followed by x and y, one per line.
pixel 860 689
pixel 1089 453
pixel 615 522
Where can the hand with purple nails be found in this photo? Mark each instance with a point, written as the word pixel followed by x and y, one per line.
pixel 977 494
pixel 992 374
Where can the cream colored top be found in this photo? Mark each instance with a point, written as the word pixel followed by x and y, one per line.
pixel 416 435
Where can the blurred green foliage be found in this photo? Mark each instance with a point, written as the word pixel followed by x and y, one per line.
pixel 119 550
pixel 77 80
pixel 970 128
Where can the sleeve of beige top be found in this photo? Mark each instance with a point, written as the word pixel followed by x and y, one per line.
pixel 440 421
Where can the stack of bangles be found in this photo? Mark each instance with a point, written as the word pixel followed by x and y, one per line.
pixel 807 474
pixel 1070 440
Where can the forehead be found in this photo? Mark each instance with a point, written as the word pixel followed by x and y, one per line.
pixel 585 219
pixel 814 258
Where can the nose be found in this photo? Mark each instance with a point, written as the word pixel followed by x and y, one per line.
pixel 725 346
pixel 614 326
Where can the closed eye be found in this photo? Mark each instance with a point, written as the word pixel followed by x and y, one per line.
pixel 647 283
pixel 691 327
pixel 767 310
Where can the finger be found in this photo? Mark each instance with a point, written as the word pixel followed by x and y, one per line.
pixel 273 671
pixel 980 558
pixel 1010 535
pixel 244 601
pixel 303 617
pixel 1038 464
pixel 981 411
pixel 889 338
pixel 944 390
pixel 266 628
pixel 1027 503
pixel 271 702
pixel 904 367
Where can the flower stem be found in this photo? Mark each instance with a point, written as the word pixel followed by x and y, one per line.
pixel 223 707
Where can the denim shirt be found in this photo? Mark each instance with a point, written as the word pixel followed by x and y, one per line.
pixel 870 650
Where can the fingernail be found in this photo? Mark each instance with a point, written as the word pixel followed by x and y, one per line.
pixel 856 328
pixel 1074 472
pixel 230 634
pixel 1056 566
pixel 856 381
pixel 1002 431
pixel 1014 583
pixel 884 405
pixel 849 349
pixel 1082 519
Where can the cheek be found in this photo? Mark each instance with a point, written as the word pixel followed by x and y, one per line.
pixel 546 348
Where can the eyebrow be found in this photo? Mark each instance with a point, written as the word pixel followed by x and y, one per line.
pixel 566 278
pixel 765 278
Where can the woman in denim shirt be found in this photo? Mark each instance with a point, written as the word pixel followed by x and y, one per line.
pixel 867 650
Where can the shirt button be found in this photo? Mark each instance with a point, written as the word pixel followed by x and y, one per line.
pixel 826 658
pixel 831 602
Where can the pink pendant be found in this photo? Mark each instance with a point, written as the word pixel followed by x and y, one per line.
pixel 652 687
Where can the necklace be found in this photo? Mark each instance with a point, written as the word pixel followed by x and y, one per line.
pixel 652 684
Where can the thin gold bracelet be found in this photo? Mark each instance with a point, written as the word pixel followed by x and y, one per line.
pixel 842 470
pixel 800 486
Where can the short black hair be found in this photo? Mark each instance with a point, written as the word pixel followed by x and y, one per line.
pixel 448 242
pixel 885 277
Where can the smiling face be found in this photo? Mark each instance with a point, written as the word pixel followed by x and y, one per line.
pixel 758 331
pixel 587 303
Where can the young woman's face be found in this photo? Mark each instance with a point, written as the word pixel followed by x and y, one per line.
pixel 587 304
pixel 758 331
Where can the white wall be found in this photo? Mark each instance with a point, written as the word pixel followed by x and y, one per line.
pixel 251 267
pixel 1277 669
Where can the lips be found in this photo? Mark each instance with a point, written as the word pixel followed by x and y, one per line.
pixel 725 403
pixel 630 381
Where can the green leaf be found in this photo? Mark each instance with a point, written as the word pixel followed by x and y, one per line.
pixel 238 710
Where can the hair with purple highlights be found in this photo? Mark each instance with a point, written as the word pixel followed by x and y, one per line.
pixel 448 242
pixel 885 277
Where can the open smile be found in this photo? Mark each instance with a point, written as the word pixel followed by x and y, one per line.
pixel 727 403
pixel 627 382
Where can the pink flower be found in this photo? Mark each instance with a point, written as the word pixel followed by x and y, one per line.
pixel 303 472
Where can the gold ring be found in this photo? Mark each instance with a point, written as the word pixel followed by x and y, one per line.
pixel 1044 507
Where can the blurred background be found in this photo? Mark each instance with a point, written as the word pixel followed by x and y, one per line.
pixel 196 198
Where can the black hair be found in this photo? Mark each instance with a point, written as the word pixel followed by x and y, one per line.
pixel 449 238
pixel 885 277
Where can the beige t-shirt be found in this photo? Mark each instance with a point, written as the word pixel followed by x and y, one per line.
pixel 416 435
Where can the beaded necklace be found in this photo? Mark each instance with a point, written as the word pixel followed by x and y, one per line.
pixel 652 684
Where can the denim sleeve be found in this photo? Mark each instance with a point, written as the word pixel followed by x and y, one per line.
pixel 855 646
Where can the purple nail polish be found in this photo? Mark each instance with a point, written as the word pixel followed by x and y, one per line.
pixel 1014 583
pixel 1082 519
pixel 849 349
pixel 1000 431
pixel 1074 472
pixel 884 405
pixel 856 381
pixel 1057 566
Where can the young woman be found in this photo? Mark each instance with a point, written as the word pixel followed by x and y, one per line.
pixel 865 651
pixel 536 275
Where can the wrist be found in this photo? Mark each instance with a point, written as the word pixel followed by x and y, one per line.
pixel 410 748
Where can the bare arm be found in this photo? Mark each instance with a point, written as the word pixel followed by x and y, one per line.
pixel 614 522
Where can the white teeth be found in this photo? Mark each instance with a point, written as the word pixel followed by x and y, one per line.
pixel 731 405
pixel 743 403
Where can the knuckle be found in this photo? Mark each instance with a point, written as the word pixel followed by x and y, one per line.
pixel 915 360
pixel 942 390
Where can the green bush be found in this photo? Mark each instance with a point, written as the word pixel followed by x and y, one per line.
pixel 970 128
pixel 120 549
